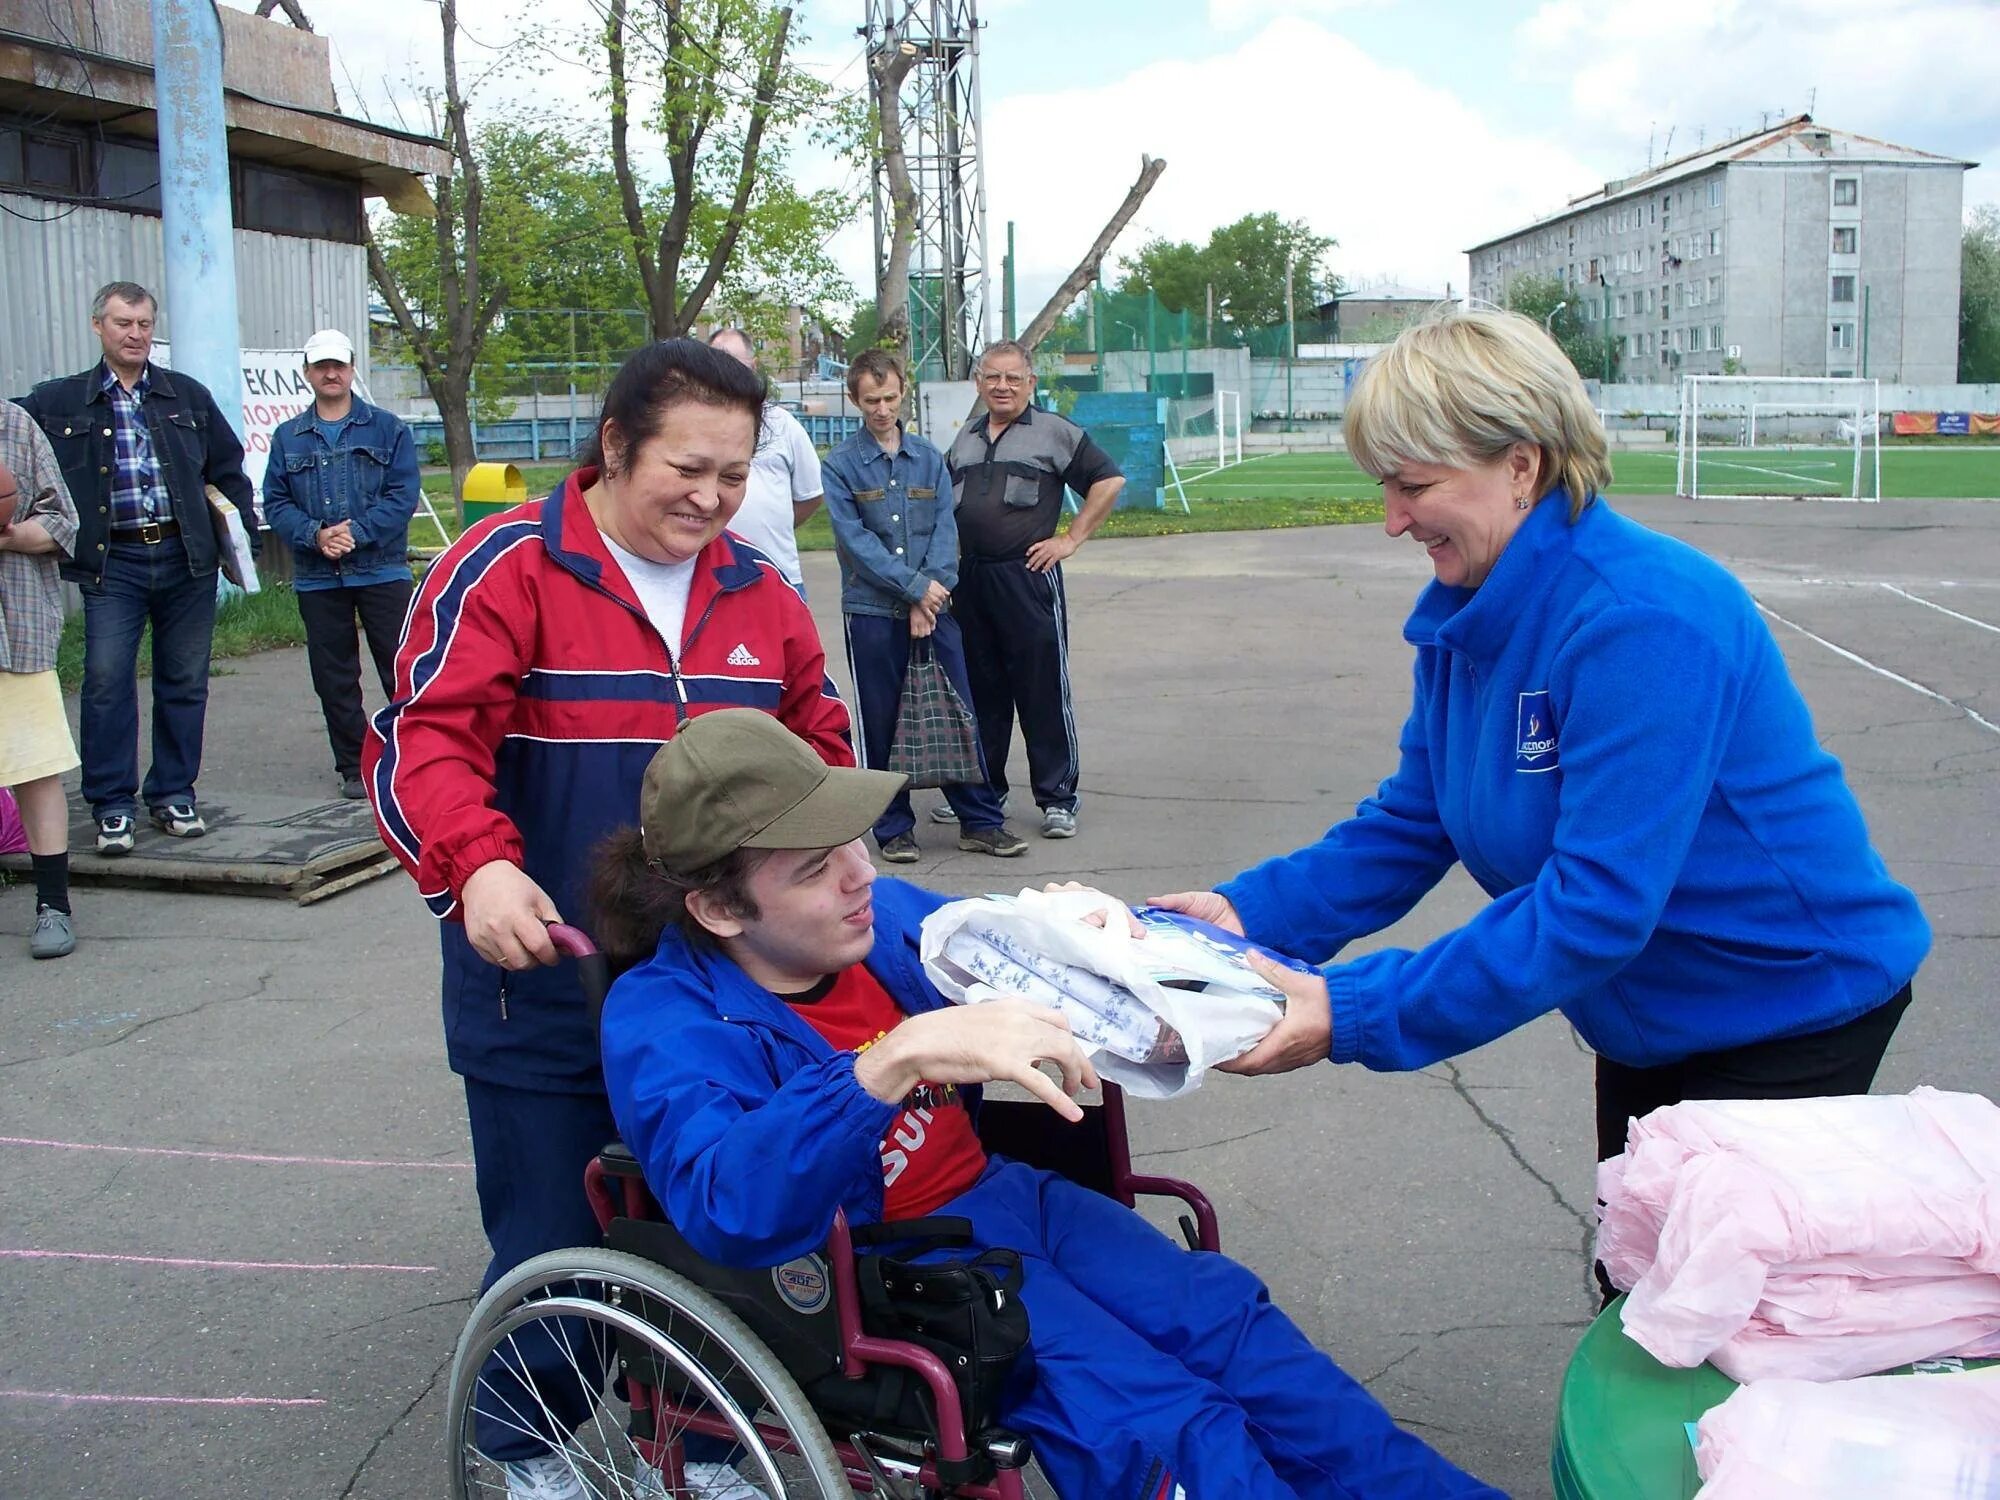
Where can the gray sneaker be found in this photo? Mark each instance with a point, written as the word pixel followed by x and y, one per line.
pixel 55 934
pixel 114 835
pixel 1001 841
pixel 1058 823
pixel 942 813
pixel 901 850
pixel 179 820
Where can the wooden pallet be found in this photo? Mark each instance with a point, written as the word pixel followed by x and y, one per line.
pixel 255 846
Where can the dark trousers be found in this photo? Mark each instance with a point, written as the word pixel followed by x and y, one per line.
pixel 878 659
pixel 529 1151
pixel 145 585
pixel 333 652
pixel 1818 1065
pixel 1016 626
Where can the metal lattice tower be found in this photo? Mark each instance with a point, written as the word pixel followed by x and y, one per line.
pixel 949 275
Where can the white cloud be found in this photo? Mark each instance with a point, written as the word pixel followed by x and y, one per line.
pixel 1919 72
pixel 1401 172
pixel 1240 15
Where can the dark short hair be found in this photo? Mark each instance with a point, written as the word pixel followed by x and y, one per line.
pixel 665 374
pixel 633 900
pixel 877 364
pixel 124 291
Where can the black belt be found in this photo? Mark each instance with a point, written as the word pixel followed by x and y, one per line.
pixel 152 533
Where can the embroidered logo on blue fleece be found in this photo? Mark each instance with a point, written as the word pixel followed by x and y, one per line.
pixel 1535 733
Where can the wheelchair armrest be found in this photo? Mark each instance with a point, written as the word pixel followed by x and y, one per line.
pixel 618 1161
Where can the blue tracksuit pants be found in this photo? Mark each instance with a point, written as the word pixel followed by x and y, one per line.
pixel 529 1151
pixel 878 658
pixel 1159 1370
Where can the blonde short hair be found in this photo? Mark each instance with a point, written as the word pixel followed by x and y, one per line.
pixel 1461 387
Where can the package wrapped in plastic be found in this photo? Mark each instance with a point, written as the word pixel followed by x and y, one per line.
pixel 1154 1012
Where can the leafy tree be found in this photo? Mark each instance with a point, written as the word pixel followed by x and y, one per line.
pixel 448 335
pixel 1244 263
pixel 1979 299
pixel 1559 309
pixel 552 240
pixel 712 82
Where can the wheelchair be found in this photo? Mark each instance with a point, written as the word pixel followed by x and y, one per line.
pixel 671 1363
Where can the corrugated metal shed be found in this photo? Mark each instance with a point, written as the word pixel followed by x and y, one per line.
pixel 53 258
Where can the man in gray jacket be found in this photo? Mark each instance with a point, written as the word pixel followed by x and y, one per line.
pixel 888 495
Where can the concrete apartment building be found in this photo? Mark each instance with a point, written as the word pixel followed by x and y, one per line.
pixel 1795 250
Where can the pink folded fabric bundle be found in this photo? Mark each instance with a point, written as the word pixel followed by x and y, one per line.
pixel 1884 1437
pixel 1811 1238
pixel 13 837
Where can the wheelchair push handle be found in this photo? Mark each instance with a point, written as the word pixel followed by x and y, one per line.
pixel 592 968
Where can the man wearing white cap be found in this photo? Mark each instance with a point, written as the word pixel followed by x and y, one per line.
pixel 340 487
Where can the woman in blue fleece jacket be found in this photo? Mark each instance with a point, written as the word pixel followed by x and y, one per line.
pixel 1605 735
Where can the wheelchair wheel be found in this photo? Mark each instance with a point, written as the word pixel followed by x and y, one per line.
pixel 554 1353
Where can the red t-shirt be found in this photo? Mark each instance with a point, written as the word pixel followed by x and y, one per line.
pixel 931 1153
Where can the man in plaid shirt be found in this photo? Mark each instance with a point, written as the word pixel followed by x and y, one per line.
pixel 37 527
pixel 139 446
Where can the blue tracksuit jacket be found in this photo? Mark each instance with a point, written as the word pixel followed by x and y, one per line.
pixel 1605 735
pixel 1156 1370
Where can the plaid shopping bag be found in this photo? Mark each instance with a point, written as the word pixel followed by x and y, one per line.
pixel 936 743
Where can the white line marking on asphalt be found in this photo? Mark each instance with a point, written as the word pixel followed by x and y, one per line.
pixel 1862 661
pixel 1927 604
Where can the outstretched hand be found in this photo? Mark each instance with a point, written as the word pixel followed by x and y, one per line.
pixel 994 1042
pixel 1303 1035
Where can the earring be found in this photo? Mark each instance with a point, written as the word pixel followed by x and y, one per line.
pixel 1521 502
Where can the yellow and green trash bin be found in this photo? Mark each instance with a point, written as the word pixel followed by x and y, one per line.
pixel 490 489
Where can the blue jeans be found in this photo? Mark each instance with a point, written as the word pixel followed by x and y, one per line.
pixel 145 583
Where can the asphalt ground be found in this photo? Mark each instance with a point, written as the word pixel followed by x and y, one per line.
pixel 216 1087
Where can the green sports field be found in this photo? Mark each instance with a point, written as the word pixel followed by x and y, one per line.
pixel 1917 473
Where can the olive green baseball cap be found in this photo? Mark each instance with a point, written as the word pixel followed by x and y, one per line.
pixel 736 778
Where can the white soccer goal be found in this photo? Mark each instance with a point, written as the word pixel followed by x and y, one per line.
pixel 1779 437
pixel 1228 428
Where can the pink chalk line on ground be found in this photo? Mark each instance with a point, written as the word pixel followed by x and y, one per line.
pixel 80 1398
pixel 200 1264
pixel 289 1161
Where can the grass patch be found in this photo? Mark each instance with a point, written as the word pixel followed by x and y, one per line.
pixel 244 624
pixel 1216 504
pixel 1908 473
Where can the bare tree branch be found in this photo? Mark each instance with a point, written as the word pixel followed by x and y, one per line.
pixel 746 172
pixel 621 155
pixel 887 69
pixel 1150 169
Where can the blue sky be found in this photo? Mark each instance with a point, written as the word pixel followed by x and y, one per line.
pixel 1406 129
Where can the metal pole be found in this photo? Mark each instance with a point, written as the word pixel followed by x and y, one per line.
pixel 196 224
pixel 1605 338
pixel 1008 294
pixel 1291 342
pixel 1152 341
pixel 1864 331
pixel 1097 327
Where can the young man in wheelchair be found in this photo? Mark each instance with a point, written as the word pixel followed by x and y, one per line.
pixel 781 1055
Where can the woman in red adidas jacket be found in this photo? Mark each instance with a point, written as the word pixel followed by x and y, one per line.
pixel 548 654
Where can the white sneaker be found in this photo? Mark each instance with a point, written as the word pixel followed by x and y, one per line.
pixel 550 1477
pixel 704 1482
pixel 719 1482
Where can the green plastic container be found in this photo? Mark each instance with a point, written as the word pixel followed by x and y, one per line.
pixel 1622 1422
pixel 1621 1425
pixel 490 489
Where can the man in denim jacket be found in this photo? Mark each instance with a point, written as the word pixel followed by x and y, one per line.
pixel 341 487
pixel 888 495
